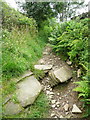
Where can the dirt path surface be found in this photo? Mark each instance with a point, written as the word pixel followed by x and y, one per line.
pixel 61 97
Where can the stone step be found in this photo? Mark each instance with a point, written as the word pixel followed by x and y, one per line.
pixel 61 74
pixel 45 68
pixel 28 90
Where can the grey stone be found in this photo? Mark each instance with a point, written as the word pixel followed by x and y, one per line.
pixel 43 67
pixel 53 101
pixel 66 107
pixel 12 108
pixel 28 90
pixel 60 75
pixel 76 109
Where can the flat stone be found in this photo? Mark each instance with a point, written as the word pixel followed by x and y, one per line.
pixel 28 90
pixel 52 114
pixel 43 67
pixel 63 74
pixel 26 74
pixel 66 107
pixel 12 108
pixel 76 109
pixel 53 101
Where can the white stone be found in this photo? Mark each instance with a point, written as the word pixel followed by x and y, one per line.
pixel 53 106
pixel 66 107
pixel 43 67
pixel 48 92
pixel 76 109
pixel 61 116
pixel 57 103
pixel 52 114
pixel 58 93
pixel 53 101
pixel 28 90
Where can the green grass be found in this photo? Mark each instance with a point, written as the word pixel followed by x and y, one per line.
pixel 20 52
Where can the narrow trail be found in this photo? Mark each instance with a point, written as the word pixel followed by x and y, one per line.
pixel 62 94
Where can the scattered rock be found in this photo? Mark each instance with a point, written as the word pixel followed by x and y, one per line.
pixel 60 98
pixel 53 101
pixel 58 93
pixel 41 61
pixel 52 114
pixel 76 109
pixel 57 103
pixel 61 116
pixel 43 67
pixel 47 92
pixel 11 108
pixel 66 107
pixel 28 90
pixel 53 106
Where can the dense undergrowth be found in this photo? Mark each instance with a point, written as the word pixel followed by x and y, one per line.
pixel 71 39
pixel 22 46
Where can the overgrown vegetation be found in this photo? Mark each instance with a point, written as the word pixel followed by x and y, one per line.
pixel 22 46
pixel 71 39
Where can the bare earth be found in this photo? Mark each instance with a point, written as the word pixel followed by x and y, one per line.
pixel 61 94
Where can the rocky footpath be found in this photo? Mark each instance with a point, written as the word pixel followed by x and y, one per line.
pixel 58 84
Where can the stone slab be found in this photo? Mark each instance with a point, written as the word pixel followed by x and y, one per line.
pixel 43 67
pixel 28 90
pixel 63 74
pixel 12 108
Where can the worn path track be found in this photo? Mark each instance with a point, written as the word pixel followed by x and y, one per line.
pixel 62 94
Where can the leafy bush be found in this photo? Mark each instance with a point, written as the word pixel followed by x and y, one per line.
pixel 71 39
